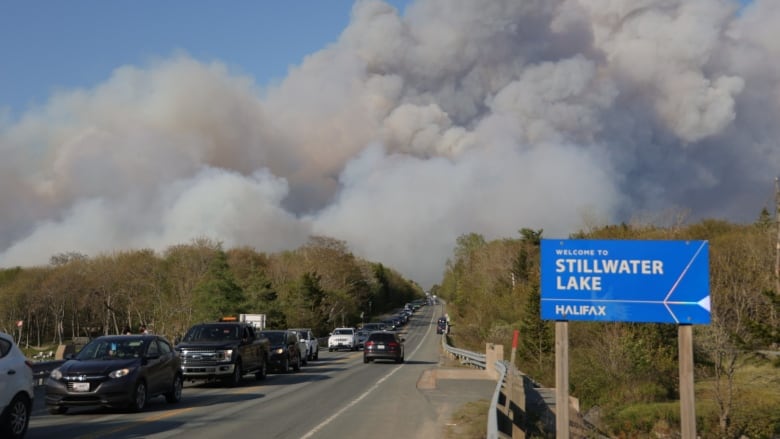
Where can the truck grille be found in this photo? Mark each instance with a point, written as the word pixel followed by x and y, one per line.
pixel 200 357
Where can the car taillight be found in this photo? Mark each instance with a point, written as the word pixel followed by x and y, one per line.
pixel 369 344
pixel 393 344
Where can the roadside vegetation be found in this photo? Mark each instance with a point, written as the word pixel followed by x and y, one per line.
pixel 626 375
pixel 320 285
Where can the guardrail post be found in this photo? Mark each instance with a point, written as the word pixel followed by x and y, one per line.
pixel 493 353
pixel 517 392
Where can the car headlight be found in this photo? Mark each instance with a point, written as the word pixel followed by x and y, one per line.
pixel 279 351
pixel 227 355
pixel 55 374
pixel 119 373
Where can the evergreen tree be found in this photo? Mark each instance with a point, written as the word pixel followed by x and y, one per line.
pixel 218 294
pixel 535 334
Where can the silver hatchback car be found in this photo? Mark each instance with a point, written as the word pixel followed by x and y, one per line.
pixel 16 389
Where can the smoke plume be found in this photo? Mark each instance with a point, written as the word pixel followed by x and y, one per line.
pixel 413 128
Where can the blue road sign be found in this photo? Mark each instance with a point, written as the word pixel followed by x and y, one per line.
pixel 626 281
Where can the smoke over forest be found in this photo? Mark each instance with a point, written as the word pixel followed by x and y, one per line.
pixel 411 129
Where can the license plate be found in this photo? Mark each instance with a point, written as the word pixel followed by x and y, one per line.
pixel 381 347
pixel 81 387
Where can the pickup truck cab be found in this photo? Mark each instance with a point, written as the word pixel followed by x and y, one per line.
pixel 343 338
pixel 223 350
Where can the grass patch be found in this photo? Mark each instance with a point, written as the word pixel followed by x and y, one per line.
pixel 469 421
pixel 754 411
pixel 638 419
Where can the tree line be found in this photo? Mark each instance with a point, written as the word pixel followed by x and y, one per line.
pixel 319 285
pixel 492 289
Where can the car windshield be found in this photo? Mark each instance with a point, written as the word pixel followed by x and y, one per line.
pixel 112 349
pixel 343 331
pixel 212 333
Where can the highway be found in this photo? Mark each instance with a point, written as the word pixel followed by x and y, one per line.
pixel 335 397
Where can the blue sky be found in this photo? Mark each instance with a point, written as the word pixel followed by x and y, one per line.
pixel 51 45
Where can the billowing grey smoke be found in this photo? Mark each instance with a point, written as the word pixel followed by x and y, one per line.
pixel 410 130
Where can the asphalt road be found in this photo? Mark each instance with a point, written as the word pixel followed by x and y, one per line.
pixel 335 397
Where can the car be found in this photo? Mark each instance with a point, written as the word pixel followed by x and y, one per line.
pixel 116 371
pixel 285 350
pixel 361 335
pixel 373 326
pixel 442 326
pixel 312 344
pixel 383 345
pixel 16 389
pixel 389 324
pixel 342 338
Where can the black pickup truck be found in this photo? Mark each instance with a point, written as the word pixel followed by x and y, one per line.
pixel 223 350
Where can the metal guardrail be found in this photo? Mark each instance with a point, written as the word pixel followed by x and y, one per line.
pixel 479 361
pixel 464 356
pixel 42 369
pixel 492 424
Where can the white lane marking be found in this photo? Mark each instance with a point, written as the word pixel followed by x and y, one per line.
pixel 352 403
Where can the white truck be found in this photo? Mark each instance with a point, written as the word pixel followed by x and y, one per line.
pixel 343 338
pixel 256 320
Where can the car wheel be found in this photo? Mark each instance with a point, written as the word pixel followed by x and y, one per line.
pixel 174 395
pixel 17 418
pixel 365 359
pixel 238 373
pixel 399 360
pixel 139 397
pixel 316 355
pixel 286 365
pixel 330 349
pixel 57 410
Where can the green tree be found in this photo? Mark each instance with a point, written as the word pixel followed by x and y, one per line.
pixel 218 294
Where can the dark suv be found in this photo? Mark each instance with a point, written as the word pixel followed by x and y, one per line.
pixel 284 350
pixel 116 371
pixel 383 345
